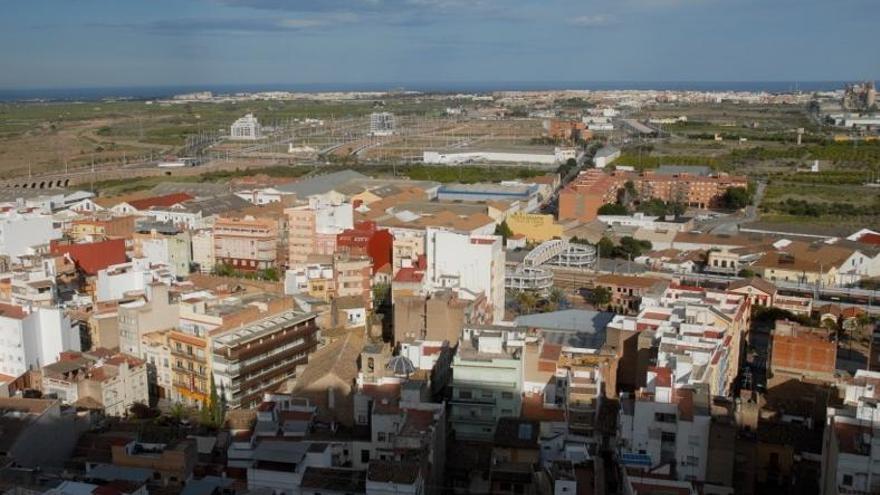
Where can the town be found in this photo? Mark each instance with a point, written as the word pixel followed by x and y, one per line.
pixel 517 293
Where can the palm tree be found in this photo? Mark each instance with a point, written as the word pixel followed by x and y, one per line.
pixel 557 298
pixel 527 302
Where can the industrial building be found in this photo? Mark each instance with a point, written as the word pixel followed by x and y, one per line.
pixel 382 124
pixel 527 155
pixel 246 128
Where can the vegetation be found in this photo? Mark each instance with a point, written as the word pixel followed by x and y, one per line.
pixel 566 167
pixel 736 198
pixel 659 208
pixel 227 270
pixel 613 209
pixel 503 230
pixel 382 296
pixel 599 297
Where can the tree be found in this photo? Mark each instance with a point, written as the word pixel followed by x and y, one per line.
pixel 557 299
pixel 381 293
pixel 503 230
pixel 736 198
pixel 745 273
pixel 605 247
pixel 613 209
pixel 599 297
pixel 526 301
pixel 631 248
pixel 142 411
pixel 179 411
pixel 211 415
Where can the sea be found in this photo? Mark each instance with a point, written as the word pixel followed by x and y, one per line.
pixel 158 92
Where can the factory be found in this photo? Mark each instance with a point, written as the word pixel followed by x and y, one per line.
pixel 246 128
pixel 525 194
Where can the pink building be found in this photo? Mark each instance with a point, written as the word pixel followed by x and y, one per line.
pixel 313 229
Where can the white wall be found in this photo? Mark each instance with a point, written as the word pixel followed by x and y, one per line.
pixel 19 232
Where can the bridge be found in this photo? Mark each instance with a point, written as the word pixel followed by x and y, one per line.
pixel 531 274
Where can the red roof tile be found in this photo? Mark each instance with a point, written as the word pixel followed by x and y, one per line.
pixel 94 256
pixel 870 238
pixel 409 275
pixel 12 311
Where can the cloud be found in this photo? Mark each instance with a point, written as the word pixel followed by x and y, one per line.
pixel 393 6
pixel 597 20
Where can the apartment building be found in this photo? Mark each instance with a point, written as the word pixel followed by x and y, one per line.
pixel 151 313
pixel 173 463
pixel 407 248
pixel 130 280
pixel 24 228
pixel 203 250
pixel 313 228
pixel 367 239
pixel 326 278
pixel 31 338
pixel 164 244
pixel 486 384
pixel 851 443
pixel 252 358
pixel 246 243
pixel 667 425
pixel 101 227
pixel 471 262
pixel 157 355
pixel 583 197
pixel 439 316
pixel 102 380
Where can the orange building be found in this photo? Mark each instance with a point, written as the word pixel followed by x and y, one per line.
pixel 568 130
pixel 246 243
pixel 582 199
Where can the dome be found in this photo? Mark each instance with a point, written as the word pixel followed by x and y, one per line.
pixel 400 366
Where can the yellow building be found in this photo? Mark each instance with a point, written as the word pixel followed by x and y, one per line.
pixel 536 227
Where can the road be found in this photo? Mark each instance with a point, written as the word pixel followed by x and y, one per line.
pixel 730 224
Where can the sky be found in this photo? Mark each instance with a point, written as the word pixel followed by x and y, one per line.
pixel 95 43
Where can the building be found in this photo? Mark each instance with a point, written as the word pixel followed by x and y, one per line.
pixel 759 291
pixel 548 157
pixel 605 156
pixel 20 230
pixel 583 197
pixel 851 443
pixel 526 195
pixel 127 281
pixel 326 278
pixel 164 244
pixel 101 227
pixel 141 316
pixel 667 425
pixel 366 239
pixel 246 128
pixel 101 380
pixel 627 291
pixel 255 357
pixel 35 433
pixel 471 262
pixel 566 130
pixel 487 380
pixel 798 352
pixel 33 338
pixel 246 243
pixel 439 316
pixel 535 227
pixel 203 250
pixel 314 229
pixel 173 463
pixel 382 124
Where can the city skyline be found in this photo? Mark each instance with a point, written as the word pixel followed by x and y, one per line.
pixel 259 42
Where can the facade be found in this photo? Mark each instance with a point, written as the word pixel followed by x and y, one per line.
pixel 313 229
pixel 851 443
pixel 535 227
pixel 100 380
pixel 171 247
pixel 668 425
pixel 583 197
pixel 203 250
pixel 366 239
pixel 21 230
pixel 246 128
pixel 142 316
pixel 246 244
pixel 471 262
pixel 487 377
pixel 129 280
pixel 255 358
pixel 339 276
pixel 439 316
pixel 382 124
pixel 33 338
pixel 605 156
pixel 627 291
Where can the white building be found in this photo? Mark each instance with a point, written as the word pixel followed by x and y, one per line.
pixel 31 339
pixel 472 262
pixel 19 231
pixel 851 440
pixel 605 155
pixel 559 155
pixel 203 250
pixel 668 425
pixel 382 124
pixel 126 279
pixel 246 128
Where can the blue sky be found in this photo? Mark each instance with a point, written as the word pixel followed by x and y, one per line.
pixel 74 43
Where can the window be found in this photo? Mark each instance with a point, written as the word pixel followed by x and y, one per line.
pixel 506 395
pixel 664 417
pixel 381 436
pixel 847 480
pixel 464 394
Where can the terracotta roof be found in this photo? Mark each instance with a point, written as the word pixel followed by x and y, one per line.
pixel 160 201
pixel 870 238
pixel 409 275
pixel 94 256
pixel 339 358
